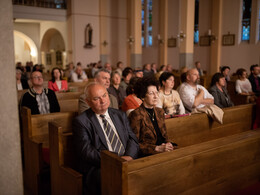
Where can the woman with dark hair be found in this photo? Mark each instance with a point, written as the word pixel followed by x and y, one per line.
pixel 56 83
pixel 219 92
pixel 147 121
pixel 169 99
pixel 131 102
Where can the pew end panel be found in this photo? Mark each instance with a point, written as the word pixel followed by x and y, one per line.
pixel 64 179
pixel 35 138
pixel 220 166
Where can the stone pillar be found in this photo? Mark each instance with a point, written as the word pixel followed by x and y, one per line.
pixel 187 8
pixel 104 31
pixel 163 32
pixel 10 149
pixel 215 49
pixel 135 35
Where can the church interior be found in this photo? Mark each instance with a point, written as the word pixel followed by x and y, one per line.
pixel 54 33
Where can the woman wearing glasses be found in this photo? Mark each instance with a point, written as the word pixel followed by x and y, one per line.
pixel 147 121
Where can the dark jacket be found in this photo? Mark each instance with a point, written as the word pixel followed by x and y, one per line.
pixel 221 99
pixel 29 100
pixel 251 78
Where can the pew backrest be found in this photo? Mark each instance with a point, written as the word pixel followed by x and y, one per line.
pixel 197 128
pixel 219 166
pixel 68 95
pixel 69 105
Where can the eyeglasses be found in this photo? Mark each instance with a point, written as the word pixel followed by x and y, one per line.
pixel 37 77
pixel 156 93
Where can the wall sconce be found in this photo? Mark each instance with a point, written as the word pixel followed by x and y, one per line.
pixel 160 40
pixel 104 43
pixel 181 36
pixel 131 40
pixel 212 37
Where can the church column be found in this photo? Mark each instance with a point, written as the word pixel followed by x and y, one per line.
pixel 217 9
pixel 187 8
pixel 11 179
pixel 135 32
pixel 103 32
pixel 163 32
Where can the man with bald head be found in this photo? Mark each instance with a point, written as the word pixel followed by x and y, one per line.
pixel 101 128
pixel 192 94
pixel 102 77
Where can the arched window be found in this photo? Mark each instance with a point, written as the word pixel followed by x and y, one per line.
pixel 246 20
pixel 147 38
pixel 196 22
pixel 58 58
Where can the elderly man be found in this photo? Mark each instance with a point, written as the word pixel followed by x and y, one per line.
pixel 79 75
pixel 101 128
pixel 192 94
pixel 40 100
pixel 102 77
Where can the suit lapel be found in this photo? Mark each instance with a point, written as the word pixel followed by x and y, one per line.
pixel 98 128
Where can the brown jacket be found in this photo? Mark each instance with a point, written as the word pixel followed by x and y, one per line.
pixel 142 126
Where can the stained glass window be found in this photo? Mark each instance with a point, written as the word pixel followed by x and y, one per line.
pixel 246 20
pixel 196 22
pixel 147 37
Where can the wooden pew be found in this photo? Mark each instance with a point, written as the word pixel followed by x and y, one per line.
pixel 68 95
pixel 69 105
pixel 35 137
pixel 198 128
pixel 64 178
pixel 185 131
pixel 220 166
pixel 235 98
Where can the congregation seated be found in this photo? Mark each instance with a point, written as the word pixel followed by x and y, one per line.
pixel 225 71
pixel 131 102
pixel 154 68
pixel 198 67
pixel 79 75
pixel 57 83
pixel 94 69
pixel 102 76
pixel 119 68
pixel 21 83
pixel 127 74
pixel 161 70
pixel 147 71
pixel 255 79
pixel 169 99
pixel 115 89
pixel 147 121
pixel 169 68
pixel 107 66
pixel 138 72
pixel 39 99
pixel 93 131
pixel 219 92
pixel 69 71
pixel 243 85
pixel 192 94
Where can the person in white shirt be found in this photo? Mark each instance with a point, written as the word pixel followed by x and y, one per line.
pixel 79 75
pixel 192 94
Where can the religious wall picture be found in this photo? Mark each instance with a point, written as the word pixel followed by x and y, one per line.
pixel 88 36
pixel 204 41
pixel 172 42
pixel 228 40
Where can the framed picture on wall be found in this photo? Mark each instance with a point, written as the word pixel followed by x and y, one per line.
pixel 172 42
pixel 204 41
pixel 228 40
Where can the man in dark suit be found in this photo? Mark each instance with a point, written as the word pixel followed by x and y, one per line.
pixel 255 79
pixel 91 137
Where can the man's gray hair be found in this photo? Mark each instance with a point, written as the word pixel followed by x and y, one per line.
pixel 100 70
pixel 88 86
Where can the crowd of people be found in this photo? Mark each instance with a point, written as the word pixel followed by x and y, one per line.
pixel 124 110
